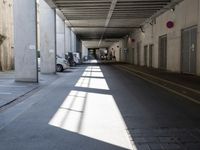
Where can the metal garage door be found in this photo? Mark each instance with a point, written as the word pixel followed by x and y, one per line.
pixel 188 52
pixel 150 55
pixel 145 55
pixel 163 52
pixel 138 52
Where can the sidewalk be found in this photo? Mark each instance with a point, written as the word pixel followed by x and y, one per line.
pixel 11 91
pixel 188 80
pixel 187 86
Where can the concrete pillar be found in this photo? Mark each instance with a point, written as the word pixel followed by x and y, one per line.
pixel 47 38
pixel 60 36
pixel 67 39
pixel 25 40
pixel 73 41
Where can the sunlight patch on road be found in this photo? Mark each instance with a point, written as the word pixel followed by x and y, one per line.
pixel 93 115
pixel 94 83
pixel 92 79
pixel 92 74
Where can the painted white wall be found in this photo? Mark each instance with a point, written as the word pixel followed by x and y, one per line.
pixel 130 48
pixel 115 49
pixel 84 51
pixel 186 14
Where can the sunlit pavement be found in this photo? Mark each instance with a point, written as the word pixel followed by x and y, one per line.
pixel 98 107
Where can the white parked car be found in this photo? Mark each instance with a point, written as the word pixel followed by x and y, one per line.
pixel 76 56
pixel 61 64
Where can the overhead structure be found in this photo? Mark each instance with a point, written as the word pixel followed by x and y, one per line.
pixel 98 20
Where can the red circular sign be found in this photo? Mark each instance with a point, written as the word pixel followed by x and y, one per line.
pixel 170 24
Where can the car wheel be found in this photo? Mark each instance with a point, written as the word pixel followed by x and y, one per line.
pixel 59 68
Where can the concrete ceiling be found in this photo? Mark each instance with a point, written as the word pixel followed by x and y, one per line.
pixel 95 21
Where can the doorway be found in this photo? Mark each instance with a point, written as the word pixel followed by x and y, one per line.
pixel 145 54
pixel 151 55
pixel 188 50
pixel 138 52
pixel 133 55
pixel 163 52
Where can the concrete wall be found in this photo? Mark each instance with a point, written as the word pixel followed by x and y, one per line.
pixel 78 45
pixel 186 14
pixel 47 38
pixel 25 40
pixel 6 35
pixel 115 50
pixel 84 51
pixel 60 36
pixel 120 50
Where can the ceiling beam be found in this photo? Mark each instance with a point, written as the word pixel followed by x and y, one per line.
pixel 124 27
pixel 112 7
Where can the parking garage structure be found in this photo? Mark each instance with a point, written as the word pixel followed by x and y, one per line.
pixel 137 87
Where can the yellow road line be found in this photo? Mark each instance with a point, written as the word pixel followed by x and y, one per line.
pixel 170 82
pixel 160 85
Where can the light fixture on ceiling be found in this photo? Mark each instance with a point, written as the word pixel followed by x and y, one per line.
pixel 142 30
pixel 172 9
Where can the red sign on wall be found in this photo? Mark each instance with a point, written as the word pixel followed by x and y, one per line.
pixel 170 24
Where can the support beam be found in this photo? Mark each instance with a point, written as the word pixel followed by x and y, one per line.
pixel 47 38
pixel 25 40
pixel 109 27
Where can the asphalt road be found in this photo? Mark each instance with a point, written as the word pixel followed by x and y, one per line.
pixel 100 107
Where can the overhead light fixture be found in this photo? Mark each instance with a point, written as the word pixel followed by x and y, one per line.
pixel 132 40
pixel 142 30
pixel 172 9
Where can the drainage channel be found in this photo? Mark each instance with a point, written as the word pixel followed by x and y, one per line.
pixel 19 99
